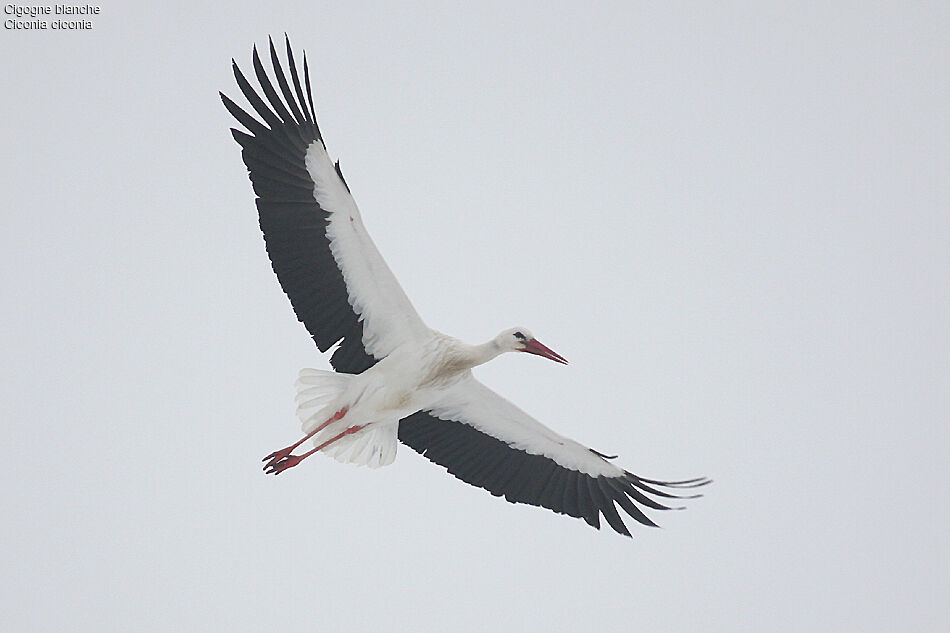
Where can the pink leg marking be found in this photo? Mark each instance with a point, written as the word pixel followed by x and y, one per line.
pixel 276 456
pixel 290 461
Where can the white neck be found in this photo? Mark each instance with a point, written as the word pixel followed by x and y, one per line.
pixel 483 353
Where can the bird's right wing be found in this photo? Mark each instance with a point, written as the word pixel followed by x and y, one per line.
pixel 486 441
pixel 326 262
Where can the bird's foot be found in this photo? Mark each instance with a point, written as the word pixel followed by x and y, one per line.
pixel 278 465
pixel 276 456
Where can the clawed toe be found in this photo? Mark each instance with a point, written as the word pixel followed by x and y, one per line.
pixel 281 463
pixel 276 456
pixel 284 452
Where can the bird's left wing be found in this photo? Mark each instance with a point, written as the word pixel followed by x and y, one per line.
pixel 338 283
pixel 485 440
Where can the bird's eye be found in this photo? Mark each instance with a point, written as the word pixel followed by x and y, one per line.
pixel 519 335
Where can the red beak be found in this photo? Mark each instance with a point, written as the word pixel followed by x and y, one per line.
pixel 534 346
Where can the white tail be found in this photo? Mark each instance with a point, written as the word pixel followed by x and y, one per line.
pixel 316 390
pixel 374 446
pixel 317 394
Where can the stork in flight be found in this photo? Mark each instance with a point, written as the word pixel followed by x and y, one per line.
pixel 397 379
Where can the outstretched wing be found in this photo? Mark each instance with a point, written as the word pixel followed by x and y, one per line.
pixel 488 442
pixel 338 283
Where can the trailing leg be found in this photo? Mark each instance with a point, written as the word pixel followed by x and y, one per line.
pixel 280 464
pixel 283 453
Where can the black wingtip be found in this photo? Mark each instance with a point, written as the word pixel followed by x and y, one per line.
pixel 226 100
pixel 306 76
pixel 592 520
pixel 695 482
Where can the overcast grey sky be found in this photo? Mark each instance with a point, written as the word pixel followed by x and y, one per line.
pixel 731 218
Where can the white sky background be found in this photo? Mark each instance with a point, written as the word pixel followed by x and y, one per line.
pixel 732 220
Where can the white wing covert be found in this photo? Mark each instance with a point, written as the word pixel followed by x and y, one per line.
pixel 343 292
pixel 486 441
pixel 339 285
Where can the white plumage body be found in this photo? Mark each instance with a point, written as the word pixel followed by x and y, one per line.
pixel 410 379
pixel 396 379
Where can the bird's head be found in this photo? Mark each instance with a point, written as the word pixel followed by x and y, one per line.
pixel 519 339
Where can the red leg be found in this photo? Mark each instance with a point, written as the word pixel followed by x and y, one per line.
pixel 276 456
pixel 290 461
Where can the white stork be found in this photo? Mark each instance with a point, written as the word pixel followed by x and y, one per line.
pixel 397 378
